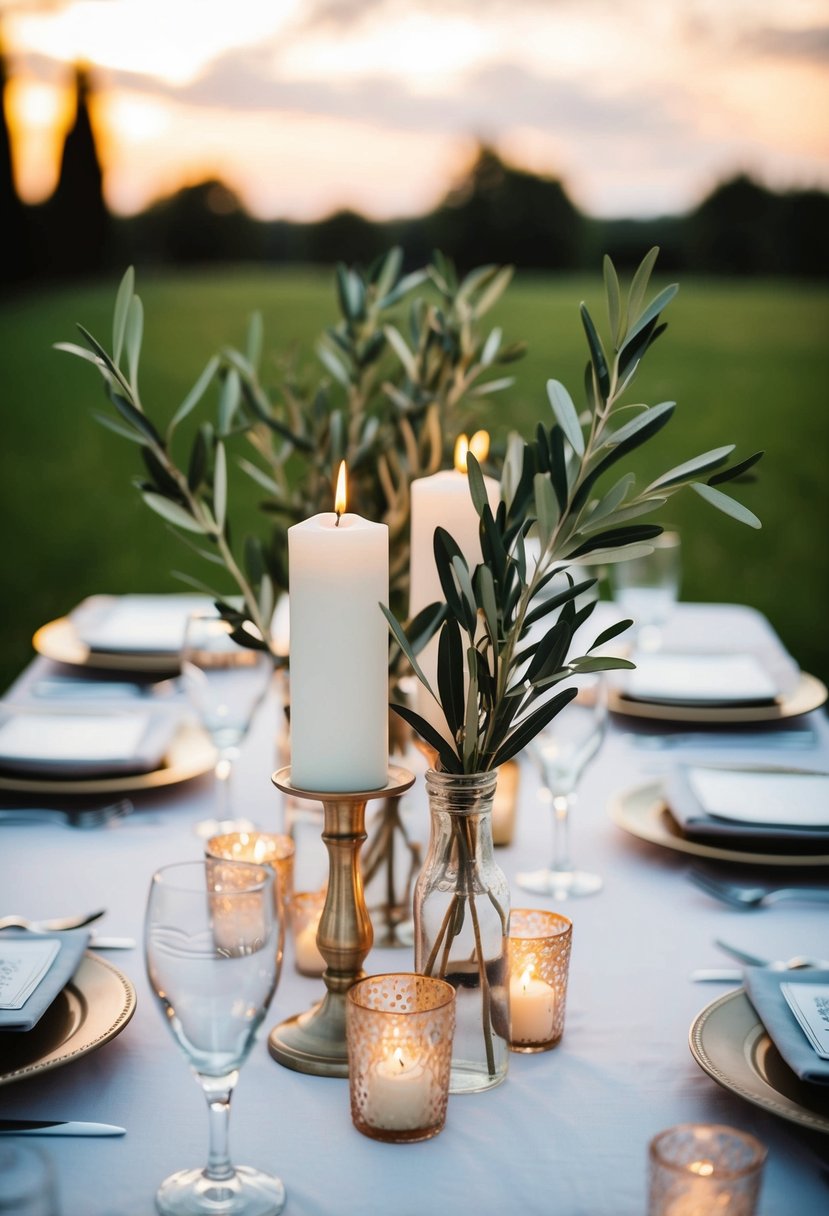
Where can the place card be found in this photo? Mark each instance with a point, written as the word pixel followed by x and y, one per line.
pixel 810 1005
pixel 65 737
pixel 700 679
pixel 788 799
pixel 23 964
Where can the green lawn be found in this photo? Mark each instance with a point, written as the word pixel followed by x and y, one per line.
pixel 747 363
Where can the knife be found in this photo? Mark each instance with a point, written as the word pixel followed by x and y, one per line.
pixel 55 1127
pixel 111 943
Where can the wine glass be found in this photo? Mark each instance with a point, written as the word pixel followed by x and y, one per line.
pixel 646 588
pixel 562 751
pixel 213 945
pixel 225 683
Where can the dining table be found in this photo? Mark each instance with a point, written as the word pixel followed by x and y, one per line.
pixel 567 1133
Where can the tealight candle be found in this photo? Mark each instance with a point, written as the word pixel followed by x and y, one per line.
pixel 532 1006
pixel 262 848
pixel 539 959
pixel 399 1030
pixel 339 576
pixel 442 500
pixel 698 1168
pixel 399 1092
pixel 306 912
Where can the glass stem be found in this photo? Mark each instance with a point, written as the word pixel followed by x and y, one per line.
pixel 218 1090
pixel 224 801
pixel 561 832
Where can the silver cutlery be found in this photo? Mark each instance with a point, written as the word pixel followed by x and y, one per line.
pixel 55 1127
pixel 85 817
pixel 753 960
pixel 57 925
pixel 111 943
pixel 740 895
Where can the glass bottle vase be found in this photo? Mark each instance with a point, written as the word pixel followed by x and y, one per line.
pixel 461 921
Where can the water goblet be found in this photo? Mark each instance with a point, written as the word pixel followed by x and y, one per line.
pixel 225 684
pixel 646 588
pixel 562 752
pixel 214 951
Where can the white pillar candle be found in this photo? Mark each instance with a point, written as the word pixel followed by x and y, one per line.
pixel 442 500
pixel 339 575
pixel 399 1093
pixel 532 1006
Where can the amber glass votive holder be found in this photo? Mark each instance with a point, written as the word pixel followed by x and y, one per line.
pixel 306 913
pixel 263 848
pixel 698 1168
pixel 539 962
pixel 399 1030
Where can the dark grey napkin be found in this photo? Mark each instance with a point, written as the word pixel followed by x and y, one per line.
pixel 763 988
pixel 72 945
pixel 695 821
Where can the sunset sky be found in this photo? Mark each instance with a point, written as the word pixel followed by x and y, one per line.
pixel 305 106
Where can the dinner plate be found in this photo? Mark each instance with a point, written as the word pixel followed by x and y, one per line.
pixel 642 812
pixel 190 754
pixel 809 693
pixel 93 1008
pixel 730 1043
pixel 58 640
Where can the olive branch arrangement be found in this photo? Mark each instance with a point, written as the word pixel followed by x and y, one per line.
pixel 394 388
pixel 505 627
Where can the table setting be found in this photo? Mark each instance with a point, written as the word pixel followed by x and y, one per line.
pixel 538 1031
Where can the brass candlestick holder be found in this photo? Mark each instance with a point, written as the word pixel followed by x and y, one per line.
pixel 314 1042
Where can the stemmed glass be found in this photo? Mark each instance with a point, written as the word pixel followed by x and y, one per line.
pixel 225 683
pixel 562 751
pixel 647 588
pixel 213 946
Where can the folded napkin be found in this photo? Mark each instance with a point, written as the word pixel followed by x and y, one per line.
pixel 79 744
pixel 763 988
pixel 70 948
pixel 700 680
pixel 764 804
pixel 136 624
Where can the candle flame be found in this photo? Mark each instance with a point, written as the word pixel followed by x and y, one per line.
pixel 461 449
pixel 704 1168
pixel 479 445
pixel 340 497
pixel 525 979
pixel 399 1058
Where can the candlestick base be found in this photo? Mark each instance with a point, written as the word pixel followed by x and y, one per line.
pixel 314 1041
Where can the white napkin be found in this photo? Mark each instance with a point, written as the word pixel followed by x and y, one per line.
pixel 139 623
pixel 80 743
pixel 700 679
pixel 765 798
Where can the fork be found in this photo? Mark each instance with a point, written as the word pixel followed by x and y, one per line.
pixel 73 817
pixel 737 895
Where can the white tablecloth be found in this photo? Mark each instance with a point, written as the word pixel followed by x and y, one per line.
pixel 568 1130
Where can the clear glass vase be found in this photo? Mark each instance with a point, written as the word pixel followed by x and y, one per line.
pixel 461 918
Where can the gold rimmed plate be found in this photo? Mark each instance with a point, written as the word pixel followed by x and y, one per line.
pixel 809 693
pixel 642 812
pixel 730 1043
pixel 93 1008
pixel 59 640
pixel 190 754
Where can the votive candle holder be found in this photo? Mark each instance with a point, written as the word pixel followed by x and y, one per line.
pixel 696 1169
pixel 262 848
pixel 399 1030
pixel 306 913
pixel 539 961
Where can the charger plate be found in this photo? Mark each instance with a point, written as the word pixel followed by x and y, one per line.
pixel 809 693
pixel 58 640
pixel 93 1008
pixel 730 1043
pixel 642 812
pixel 190 754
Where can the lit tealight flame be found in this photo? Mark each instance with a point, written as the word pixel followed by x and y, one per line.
pixel 399 1058
pixel 461 450
pixel 339 497
pixel 703 1168
pixel 526 979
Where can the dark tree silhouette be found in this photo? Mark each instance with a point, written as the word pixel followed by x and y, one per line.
pixel 76 216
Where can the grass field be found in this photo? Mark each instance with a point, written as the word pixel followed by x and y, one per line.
pixel 747 363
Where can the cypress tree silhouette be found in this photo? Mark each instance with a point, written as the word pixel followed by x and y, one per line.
pixel 15 263
pixel 79 223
